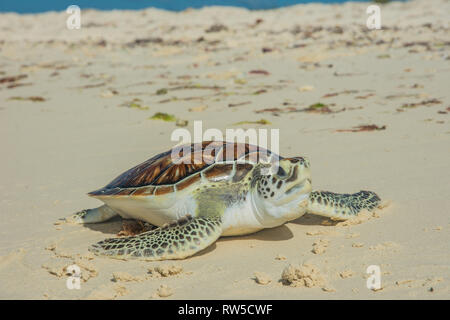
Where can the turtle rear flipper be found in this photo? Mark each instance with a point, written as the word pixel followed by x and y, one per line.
pixel 95 215
pixel 177 240
pixel 342 206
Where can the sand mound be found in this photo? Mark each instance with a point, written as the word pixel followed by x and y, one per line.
pixel 165 270
pixel 305 275
pixel 320 246
pixel 164 291
pixel 262 278
pixel 107 292
pixel 120 276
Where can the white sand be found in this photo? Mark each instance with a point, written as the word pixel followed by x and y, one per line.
pixel 80 137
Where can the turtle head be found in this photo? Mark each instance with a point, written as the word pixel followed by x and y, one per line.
pixel 283 193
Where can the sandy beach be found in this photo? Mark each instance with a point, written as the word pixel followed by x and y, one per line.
pixel 369 108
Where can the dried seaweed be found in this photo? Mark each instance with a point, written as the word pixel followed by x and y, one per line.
pixel 161 91
pixel 14 85
pixel 232 105
pixel 367 127
pixel 422 103
pixel 333 94
pixel 262 121
pixel 318 108
pixel 216 28
pixel 196 86
pixel 12 78
pixel 262 72
pixel 365 96
pixel 144 42
pixel 32 98
pixel 135 104
pixel 90 86
pixel 276 111
pixel 260 91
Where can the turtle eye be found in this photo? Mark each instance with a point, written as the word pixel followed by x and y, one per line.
pixel 281 172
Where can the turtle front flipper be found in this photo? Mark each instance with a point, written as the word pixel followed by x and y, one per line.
pixel 95 215
pixel 177 240
pixel 342 206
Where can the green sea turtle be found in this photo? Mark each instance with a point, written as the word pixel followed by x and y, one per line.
pixel 196 193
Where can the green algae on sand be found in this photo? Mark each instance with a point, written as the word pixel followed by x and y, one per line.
pixel 163 116
pixel 262 121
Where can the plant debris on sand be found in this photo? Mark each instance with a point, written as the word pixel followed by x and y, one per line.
pixel 163 116
pixel 367 127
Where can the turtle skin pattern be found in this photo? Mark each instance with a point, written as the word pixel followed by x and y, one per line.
pixel 342 205
pixel 177 240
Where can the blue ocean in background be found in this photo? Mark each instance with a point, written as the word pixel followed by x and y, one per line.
pixel 35 6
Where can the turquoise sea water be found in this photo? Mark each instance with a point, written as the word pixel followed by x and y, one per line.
pixel 34 6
